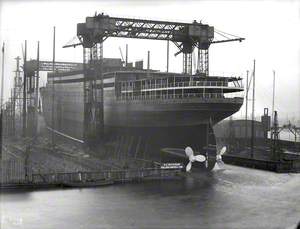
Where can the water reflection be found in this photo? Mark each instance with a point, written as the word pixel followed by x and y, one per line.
pixel 231 198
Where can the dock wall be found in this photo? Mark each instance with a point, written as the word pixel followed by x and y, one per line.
pixel 276 166
pixel 12 171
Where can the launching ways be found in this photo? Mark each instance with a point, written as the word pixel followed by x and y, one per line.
pixel 131 149
pixel 128 151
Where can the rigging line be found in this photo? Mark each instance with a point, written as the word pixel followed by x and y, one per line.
pixel 266 93
pixel 258 91
pixel 250 81
pixel 222 35
pixel 226 33
pixel 220 38
pixel 73 39
pixel 220 32
pixel 263 97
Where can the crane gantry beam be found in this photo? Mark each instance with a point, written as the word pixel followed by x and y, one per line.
pixel 191 35
pixel 186 36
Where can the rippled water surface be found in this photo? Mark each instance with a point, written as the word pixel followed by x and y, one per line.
pixel 232 198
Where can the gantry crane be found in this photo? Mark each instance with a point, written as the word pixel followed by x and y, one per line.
pixel 96 29
pixel 186 36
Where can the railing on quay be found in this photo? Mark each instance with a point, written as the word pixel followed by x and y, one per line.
pixel 113 175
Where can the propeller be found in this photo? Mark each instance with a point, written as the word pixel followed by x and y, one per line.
pixel 219 157
pixel 192 158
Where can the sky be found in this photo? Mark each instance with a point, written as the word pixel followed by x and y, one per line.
pixel 271 29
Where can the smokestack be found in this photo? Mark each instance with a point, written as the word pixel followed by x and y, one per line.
pixel 168 56
pixel 126 57
pixel 148 61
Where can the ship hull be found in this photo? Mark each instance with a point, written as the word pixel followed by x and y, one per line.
pixel 141 128
pixel 150 143
pixel 166 113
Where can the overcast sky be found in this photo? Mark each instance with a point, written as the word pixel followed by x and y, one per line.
pixel 271 29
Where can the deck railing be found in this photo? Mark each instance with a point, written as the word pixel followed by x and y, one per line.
pixel 157 84
pixel 188 84
pixel 130 96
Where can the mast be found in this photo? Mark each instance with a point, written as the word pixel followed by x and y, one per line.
pixel 24 90
pixel 17 94
pixel 246 115
pixel 37 86
pixel 1 102
pixel 275 135
pixel 126 56
pixel 148 60
pixel 2 76
pixel 168 44
pixel 273 99
pixel 53 71
pixel 253 115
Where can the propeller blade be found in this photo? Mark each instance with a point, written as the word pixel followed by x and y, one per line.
pixel 200 158
pixel 188 167
pixel 223 150
pixel 189 152
pixel 221 164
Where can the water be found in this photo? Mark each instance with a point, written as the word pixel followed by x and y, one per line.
pixel 232 198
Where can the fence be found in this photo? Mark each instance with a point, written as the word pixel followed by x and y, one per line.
pixel 114 175
pixel 12 171
pixel 282 166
